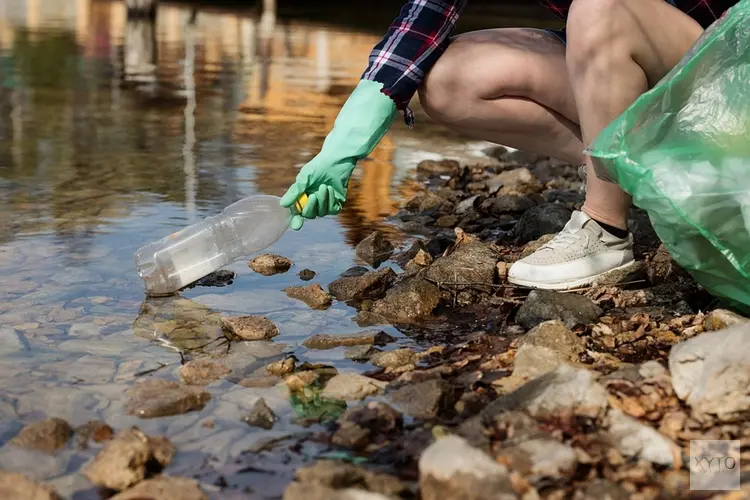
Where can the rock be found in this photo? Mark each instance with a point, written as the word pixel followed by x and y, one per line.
pixel 349 386
pixel 403 257
pixel 721 318
pixel 250 327
pixel 411 300
pixel 14 486
pixel 260 382
pixel 466 205
pixel 95 431
pixel 312 295
pixel 370 285
pixel 637 440
pixel 556 336
pixel 425 201
pixel 162 450
pixel 424 400
pixel 507 204
pixel 339 475
pixel 711 373
pixel 535 245
pixel 548 218
pixel 541 458
pixel 447 221
pixel 360 352
pixel 203 372
pixel 269 264
pixel 261 415
pixel 46 436
pixel 164 488
pixel 374 249
pixel 298 381
pixel 300 491
pixel 661 267
pixel 564 388
pixel 530 362
pixel 422 259
pixel 361 425
pixel 451 468
pixel 124 461
pixel 306 274
pixel 602 489
pixel 281 367
pixel 438 167
pixel 544 305
pixel 519 181
pixel 162 398
pixel 471 265
pixel 326 341
pixel 220 278
pixel 393 359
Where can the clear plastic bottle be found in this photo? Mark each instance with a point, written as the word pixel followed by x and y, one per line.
pixel 243 228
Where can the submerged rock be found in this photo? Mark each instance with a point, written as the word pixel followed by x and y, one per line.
pixel 425 400
pixel 46 436
pixel 451 468
pixel 203 372
pixel 375 249
pixel 15 486
pixel 162 398
pixel 94 430
pixel 250 327
pixel 306 274
pixel 352 386
pixel 548 218
pixel 326 341
pixel 368 285
pixel 312 295
pixel 570 308
pixel 164 488
pixel 269 264
pixel 261 415
pixel 411 300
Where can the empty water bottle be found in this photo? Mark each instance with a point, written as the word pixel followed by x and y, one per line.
pixel 243 228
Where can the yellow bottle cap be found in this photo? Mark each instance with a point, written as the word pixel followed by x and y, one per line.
pixel 300 203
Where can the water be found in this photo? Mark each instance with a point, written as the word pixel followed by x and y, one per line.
pixel 117 133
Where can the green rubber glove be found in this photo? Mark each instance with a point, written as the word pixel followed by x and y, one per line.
pixel 360 125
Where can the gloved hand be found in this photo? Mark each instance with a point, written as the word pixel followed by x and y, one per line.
pixel 360 125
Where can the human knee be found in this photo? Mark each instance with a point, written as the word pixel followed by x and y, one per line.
pixel 594 28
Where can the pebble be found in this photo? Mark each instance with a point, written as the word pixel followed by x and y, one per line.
pixel 298 381
pixel 46 436
pixel 250 327
pixel 306 274
pixel 570 308
pixel 270 264
pixel 312 295
pixel 203 372
pixel 162 398
pixel 393 359
pixel 164 488
pixel 15 486
pixel 9 341
pixel 326 341
pixel 375 249
pixel 261 415
pixel 352 386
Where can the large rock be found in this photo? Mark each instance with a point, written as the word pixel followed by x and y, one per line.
pixel 203 372
pixel 352 386
pixel 411 300
pixel 564 388
pixel 250 327
pixel 326 341
pixel 269 264
pixel 637 440
pixel 14 486
pixel 541 458
pixel 544 305
pixel 556 336
pixel 370 285
pixel 711 373
pixel 46 436
pixel 548 218
pixel 424 400
pixel 375 249
pixel 451 468
pixel 124 460
pixel 312 295
pixel 471 265
pixel 164 488
pixel 163 398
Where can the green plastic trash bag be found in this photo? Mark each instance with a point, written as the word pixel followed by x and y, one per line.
pixel 682 150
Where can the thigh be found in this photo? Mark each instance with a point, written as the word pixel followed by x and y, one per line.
pixel 506 62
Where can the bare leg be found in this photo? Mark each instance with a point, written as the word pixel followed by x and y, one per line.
pixel 617 50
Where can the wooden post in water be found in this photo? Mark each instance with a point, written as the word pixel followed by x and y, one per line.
pixel 141 8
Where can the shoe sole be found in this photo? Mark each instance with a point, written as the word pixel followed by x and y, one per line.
pixel 569 285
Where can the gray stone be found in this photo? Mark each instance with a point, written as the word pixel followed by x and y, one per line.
pixel 721 318
pixel 162 398
pixel 342 477
pixel 370 285
pixel 424 400
pixel 358 426
pixel 261 415
pixel 556 336
pixel 519 181
pixel 544 305
pixel 360 352
pixel 9 341
pixel 548 218
pixel 84 330
pixel 393 359
pixel 352 386
pixel 711 373
pixel 164 488
pixel 203 372
pixel 635 439
pixel 375 249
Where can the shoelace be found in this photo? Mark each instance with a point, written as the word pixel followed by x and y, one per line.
pixel 562 240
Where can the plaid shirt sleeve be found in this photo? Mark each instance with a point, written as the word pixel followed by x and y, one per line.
pixel 415 40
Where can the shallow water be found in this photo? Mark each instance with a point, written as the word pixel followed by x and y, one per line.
pixel 116 133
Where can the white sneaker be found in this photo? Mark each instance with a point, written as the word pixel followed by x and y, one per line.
pixel 579 254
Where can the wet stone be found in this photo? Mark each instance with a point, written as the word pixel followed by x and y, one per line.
pixel 393 359
pixel 548 218
pixel 270 264
pixel 203 372
pixel 95 431
pixel 360 426
pixel 312 295
pixel 162 398
pixel 570 308
pixel 261 415
pixel 352 386
pixel 368 338
pixel 360 352
pixel 438 167
pixel 250 327
pixel 164 488
pixel 369 285
pixel 14 486
pixel 306 275
pixel 46 436
pixel 282 367
pixel 424 400
pixel 375 249
pixel 411 300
